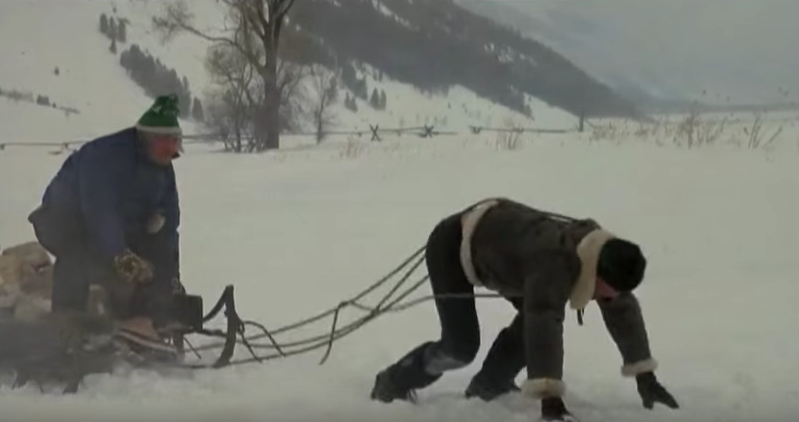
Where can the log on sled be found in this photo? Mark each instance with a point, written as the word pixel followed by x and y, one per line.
pixel 37 346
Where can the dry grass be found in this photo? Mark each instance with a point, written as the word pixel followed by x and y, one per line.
pixel 696 130
pixel 352 149
pixel 509 139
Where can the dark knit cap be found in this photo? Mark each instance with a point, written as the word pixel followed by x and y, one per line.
pixel 621 265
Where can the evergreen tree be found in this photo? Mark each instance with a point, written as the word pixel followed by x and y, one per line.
pixel 122 31
pixel 157 79
pixel 197 110
pixel 112 28
pixel 382 99
pixel 113 47
pixel 350 103
pixel 374 101
pixel 104 24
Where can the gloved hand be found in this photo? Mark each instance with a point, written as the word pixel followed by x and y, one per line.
pixel 651 391
pixel 133 268
pixel 554 410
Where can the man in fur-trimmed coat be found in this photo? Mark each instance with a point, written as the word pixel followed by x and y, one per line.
pixel 541 262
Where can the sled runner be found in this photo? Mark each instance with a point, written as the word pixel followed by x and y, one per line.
pixel 64 348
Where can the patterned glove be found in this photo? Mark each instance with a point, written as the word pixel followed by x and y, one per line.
pixel 651 392
pixel 132 268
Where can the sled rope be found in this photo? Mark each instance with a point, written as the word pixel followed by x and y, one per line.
pixel 391 302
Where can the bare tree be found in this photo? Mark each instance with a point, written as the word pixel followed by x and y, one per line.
pixel 231 103
pixel 293 94
pixel 325 87
pixel 252 28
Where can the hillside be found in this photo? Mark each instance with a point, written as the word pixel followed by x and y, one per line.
pixel 435 44
pixel 666 54
pixel 418 56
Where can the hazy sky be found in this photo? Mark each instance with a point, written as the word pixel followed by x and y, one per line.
pixel 741 48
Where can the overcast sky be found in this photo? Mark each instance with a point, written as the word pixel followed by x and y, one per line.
pixel 742 48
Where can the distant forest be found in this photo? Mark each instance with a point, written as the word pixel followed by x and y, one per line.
pixel 147 71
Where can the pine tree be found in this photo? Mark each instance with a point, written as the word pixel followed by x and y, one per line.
pixel 112 28
pixel 383 100
pixel 104 24
pixel 113 47
pixel 122 31
pixel 197 110
pixel 374 100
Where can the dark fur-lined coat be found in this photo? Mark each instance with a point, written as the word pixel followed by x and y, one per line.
pixel 550 261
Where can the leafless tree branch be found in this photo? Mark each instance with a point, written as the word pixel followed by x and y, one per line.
pixel 251 31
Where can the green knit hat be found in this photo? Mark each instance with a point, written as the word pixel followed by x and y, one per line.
pixel 161 117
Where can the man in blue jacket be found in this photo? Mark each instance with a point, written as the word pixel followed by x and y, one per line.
pixel 110 217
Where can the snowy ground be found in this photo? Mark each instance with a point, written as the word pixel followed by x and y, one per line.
pixel 299 230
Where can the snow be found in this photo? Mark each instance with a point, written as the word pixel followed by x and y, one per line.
pixel 298 230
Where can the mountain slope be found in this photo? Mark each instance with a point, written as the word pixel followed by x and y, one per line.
pixel 56 50
pixel 434 44
pixel 664 51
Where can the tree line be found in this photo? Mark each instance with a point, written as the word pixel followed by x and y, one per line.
pixel 157 79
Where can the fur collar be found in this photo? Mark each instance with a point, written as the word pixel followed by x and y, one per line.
pixel 588 251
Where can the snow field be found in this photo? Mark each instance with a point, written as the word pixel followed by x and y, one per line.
pixel 297 231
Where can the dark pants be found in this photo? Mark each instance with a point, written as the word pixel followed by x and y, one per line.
pixel 78 264
pixel 460 328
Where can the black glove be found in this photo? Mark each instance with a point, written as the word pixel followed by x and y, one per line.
pixel 651 392
pixel 554 410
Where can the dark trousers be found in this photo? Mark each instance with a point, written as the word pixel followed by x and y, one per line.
pixel 78 265
pixel 460 328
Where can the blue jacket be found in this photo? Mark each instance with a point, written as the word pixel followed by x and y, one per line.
pixel 111 185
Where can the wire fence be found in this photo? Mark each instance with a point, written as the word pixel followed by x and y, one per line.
pixel 374 131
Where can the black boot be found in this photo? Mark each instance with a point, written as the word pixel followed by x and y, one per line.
pixel 400 380
pixel 488 389
pixel 554 410
pixel 503 362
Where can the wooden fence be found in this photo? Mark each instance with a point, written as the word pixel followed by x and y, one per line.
pixel 425 131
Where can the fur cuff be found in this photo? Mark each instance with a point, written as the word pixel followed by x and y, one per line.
pixel 543 387
pixel 469 224
pixel 633 369
pixel 588 250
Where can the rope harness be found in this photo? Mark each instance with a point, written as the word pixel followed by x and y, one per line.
pixel 391 302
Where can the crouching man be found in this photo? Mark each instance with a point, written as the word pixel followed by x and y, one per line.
pixel 110 217
pixel 540 262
